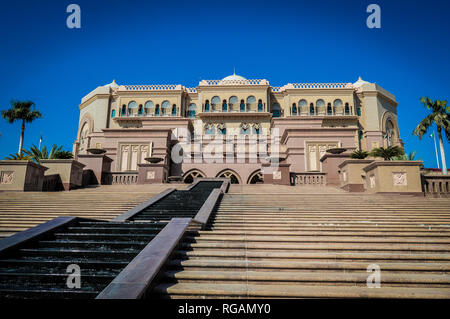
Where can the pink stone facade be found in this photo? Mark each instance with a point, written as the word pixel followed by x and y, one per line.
pixel 231 127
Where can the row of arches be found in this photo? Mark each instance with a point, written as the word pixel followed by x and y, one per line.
pixel 254 178
pixel 244 129
pixel 149 108
pixel 317 108
pixel 233 104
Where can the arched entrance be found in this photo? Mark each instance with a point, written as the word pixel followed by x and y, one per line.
pixel 232 175
pixel 256 178
pixel 191 175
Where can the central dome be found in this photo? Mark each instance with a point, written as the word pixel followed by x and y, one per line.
pixel 234 77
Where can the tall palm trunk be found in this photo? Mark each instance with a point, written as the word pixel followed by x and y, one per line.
pixel 22 133
pixel 441 146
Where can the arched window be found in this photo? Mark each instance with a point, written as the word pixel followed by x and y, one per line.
pixel 242 106
pixel 311 109
pixel 329 109
pixel 224 106
pixel 84 141
pixel 215 102
pixel 141 109
pixel 131 107
pixel 302 107
pixel 390 133
pixel 191 110
pixel 174 110
pixel 276 110
pixel 113 113
pixel 251 103
pixel 165 107
pixel 222 129
pixel 245 129
pixel 209 129
pixel 207 106
pixel 294 109
pixel 148 107
pixel 157 110
pixel 124 110
pixel 232 102
pixel 347 109
pixel 257 129
pixel 337 103
pixel 320 107
pixel 260 106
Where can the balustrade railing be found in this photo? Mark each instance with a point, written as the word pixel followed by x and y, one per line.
pixel 112 178
pixel 321 85
pixel 436 185
pixel 309 179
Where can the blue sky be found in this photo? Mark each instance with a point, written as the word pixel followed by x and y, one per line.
pixel 170 42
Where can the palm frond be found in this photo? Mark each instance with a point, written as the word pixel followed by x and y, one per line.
pixel 18 157
pixel 359 154
pixel 387 153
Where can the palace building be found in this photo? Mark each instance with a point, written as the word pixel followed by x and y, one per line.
pixel 134 122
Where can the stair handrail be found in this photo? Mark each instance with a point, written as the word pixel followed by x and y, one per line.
pixel 137 277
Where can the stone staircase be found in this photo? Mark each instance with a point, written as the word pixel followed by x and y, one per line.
pixel 312 243
pixel 23 210
pixel 100 249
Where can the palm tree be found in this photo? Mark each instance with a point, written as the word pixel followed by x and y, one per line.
pixel 387 153
pixel 359 154
pixel 440 116
pixel 21 111
pixel 55 153
pixel 18 157
pixel 406 157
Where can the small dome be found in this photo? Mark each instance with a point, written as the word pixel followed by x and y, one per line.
pixel 360 82
pixel 234 77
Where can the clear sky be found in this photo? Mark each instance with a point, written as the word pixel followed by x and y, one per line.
pixel 171 42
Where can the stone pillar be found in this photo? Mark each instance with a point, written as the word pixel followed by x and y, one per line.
pixel 69 170
pixel 279 175
pixel 394 177
pixel 21 176
pixel 352 176
pixel 152 173
pixel 98 163
pixel 330 165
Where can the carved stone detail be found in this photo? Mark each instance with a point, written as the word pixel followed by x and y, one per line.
pixel 7 177
pixel 276 175
pixel 151 175
pixel 399 179
pixel 372 181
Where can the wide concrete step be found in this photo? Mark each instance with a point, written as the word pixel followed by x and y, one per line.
pixel 300 239
pixel 318 227
pixel 275 277
pixel 285 265
pixel 316 246
pixel 300 255
pixel 206 290
pixel 294 232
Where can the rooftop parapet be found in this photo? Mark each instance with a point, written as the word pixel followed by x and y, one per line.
pixel 152 87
